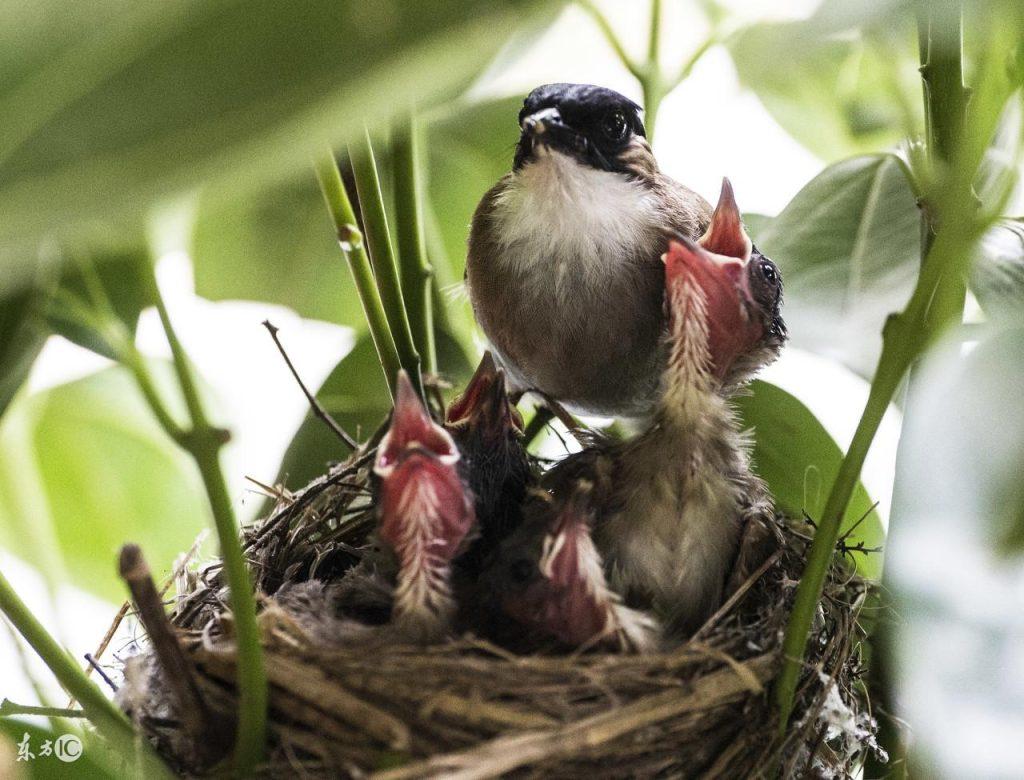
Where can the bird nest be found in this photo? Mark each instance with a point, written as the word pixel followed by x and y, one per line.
pixel 367 704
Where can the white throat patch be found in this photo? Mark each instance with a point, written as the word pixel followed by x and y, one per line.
pixel 556 209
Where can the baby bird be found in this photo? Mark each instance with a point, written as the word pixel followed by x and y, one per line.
pixel 425 515
pixel 547 584
pixel 676 499
pixel 563 264
pixel 488 431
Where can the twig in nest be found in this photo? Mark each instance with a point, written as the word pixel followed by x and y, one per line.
pixel 183 561
pixel 318 410
pixel 94 664
pixel 179 674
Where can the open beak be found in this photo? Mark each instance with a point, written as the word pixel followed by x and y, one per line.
pixel 485 402
pixel 412 431
pixel 716 265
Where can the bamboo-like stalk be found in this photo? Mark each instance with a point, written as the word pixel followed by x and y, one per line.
pixel 416 272
pixel 905 337
pixel 110 722
pixel 203 442
pixel 382 256
pixel 350 239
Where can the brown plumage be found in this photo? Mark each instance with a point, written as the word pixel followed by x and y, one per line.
pixel 563 266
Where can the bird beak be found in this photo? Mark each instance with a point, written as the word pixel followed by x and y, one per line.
pixel 716 265
pixel 542 121
pixel 485 402
pixel 412 431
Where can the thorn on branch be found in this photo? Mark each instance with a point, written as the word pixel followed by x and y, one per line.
pixel 315 406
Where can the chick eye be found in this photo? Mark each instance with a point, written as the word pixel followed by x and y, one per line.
pixel 769 272
pixel 521 571
pixel 614 125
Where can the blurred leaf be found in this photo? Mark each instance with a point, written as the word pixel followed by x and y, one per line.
pixel 96 762
pixel 84 466
pixel 470 148
pixel 842 82
pixel 1000 165
pixel 23 332
pixel 126 284
pixel 997 276
pixel 848 245
pixel 113 105
pixel 276 245
pixel 956 558
pixel 799 460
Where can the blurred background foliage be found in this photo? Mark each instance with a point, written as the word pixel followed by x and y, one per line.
pixel 117 113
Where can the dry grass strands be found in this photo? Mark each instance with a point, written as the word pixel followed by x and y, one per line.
pixel 369 706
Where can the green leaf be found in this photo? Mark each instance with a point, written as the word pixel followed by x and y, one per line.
pixel 95 762
pixel 997 276
pixel 799 460
pixel 956 554
pixel 83 468
pixel 23 332
pixel 848 245
pixel 126 284
pixel 275 245
pixel 112 106
pixel 841 83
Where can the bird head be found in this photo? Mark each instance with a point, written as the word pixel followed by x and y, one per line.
pixel 425 511
pixel 549 577
pixel 596 126
pixel 722 295
pixel 484 409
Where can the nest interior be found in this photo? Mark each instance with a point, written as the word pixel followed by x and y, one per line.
pixel 369 705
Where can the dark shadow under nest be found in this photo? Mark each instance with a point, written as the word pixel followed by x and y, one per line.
pixel 468 709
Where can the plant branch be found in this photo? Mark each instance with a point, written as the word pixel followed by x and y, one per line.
pixel 904 339
pixel 351 241
pixel 382 256
pixel 8 709
pixel 613 39
pixel 203 442
pixel 110 722
pixel 416 271
pixel 314 404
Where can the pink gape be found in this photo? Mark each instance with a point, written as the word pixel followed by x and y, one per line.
pixel 425 514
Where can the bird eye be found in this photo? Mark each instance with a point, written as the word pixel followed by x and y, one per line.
pixel 769 272
pixel 614 125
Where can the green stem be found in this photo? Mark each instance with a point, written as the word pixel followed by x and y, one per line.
pixel 613 39
pixel 112 724
pixel 204 443
pixel 351 241
pixel 927 314
pixel 382 256
pixel 415 267
pixel 9 709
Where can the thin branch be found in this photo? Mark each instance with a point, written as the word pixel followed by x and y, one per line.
pixel 94 664
pixel 416 271
pixel 613 39
pixel 382 256
pixel 541 417
pixel 351 242
pixel 317 408
pixel 179 674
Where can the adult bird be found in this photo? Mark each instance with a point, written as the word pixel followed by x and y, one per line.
pixel 563 265
pixel 675 501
